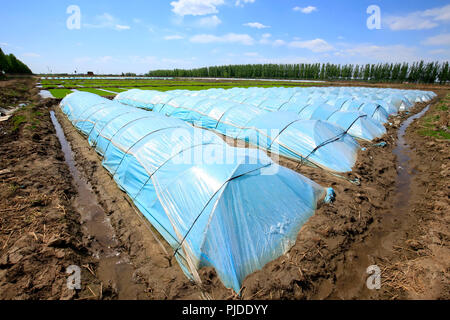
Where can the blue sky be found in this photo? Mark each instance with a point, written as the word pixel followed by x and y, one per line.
pixel 140 35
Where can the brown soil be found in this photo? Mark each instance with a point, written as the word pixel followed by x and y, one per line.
pixel 376 223
pixel 417 265
pixel 39 229
pixel 15 92
pixel 329 260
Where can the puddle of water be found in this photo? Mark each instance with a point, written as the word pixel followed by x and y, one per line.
pixel 45 94
pixel 113 268
pixel 107 91
pixel 6 114
pixel 404 170
pixel 361 255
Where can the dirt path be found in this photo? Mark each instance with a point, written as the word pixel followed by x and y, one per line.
pixel 418 266
pixel 410 243
pixel 40 234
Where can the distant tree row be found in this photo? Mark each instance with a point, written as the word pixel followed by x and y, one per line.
pixel 10 64
pixel 417 72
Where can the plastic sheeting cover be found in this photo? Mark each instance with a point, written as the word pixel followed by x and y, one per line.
pixel 323 144
pixel 234 215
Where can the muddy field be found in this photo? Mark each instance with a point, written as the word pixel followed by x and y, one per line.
pixel 59 207
pixel 40 231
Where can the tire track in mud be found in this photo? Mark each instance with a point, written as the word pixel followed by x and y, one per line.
pixel 389 240
pixel 114 268
pixel 382 238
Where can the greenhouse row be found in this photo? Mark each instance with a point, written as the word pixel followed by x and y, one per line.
pixel 106 78
pixel 317 126
pixel 198 206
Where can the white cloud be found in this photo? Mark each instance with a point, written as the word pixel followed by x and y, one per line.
pixel 181 62
pixel 419 20
pixel 174 37
pixel 410 22
pixel 266 38
pixel 105 59
pixel 305 10
pixel 143 60
pixel 227 38
pixel 141 63
pixel 240 3
pixel 256 25
pixel 316 45
pixel 374 53
pixel 209 22
pixel 82 60
pixel 278 43
pixel 251 59
pixel 439 14
pixel 122 27
pixel 31 55
pixel 439 40
pixel 439 51
pixel 251 54
pixel 106 20
pixel 195 7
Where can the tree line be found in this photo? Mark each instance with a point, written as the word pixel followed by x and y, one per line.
pixel 417 72
pixel 10 64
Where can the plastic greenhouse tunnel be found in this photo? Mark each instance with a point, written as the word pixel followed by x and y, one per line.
pixel 314 142
pixel 235 213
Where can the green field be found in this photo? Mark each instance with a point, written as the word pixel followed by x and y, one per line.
pixel 160 85
pixel 60 93
pixel 96 91
pixel 132 83
pixel 117 89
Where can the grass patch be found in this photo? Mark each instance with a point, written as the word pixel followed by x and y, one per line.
pixel 96 91
pixel 438 134
pixel 118 90
pixel 442 107
pixel 17 120
pixel 435 123
pixel 28 117
pixel 60 93
pixel 175 84
pixel 202 87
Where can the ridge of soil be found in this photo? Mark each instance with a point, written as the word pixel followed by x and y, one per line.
pixel 418 266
